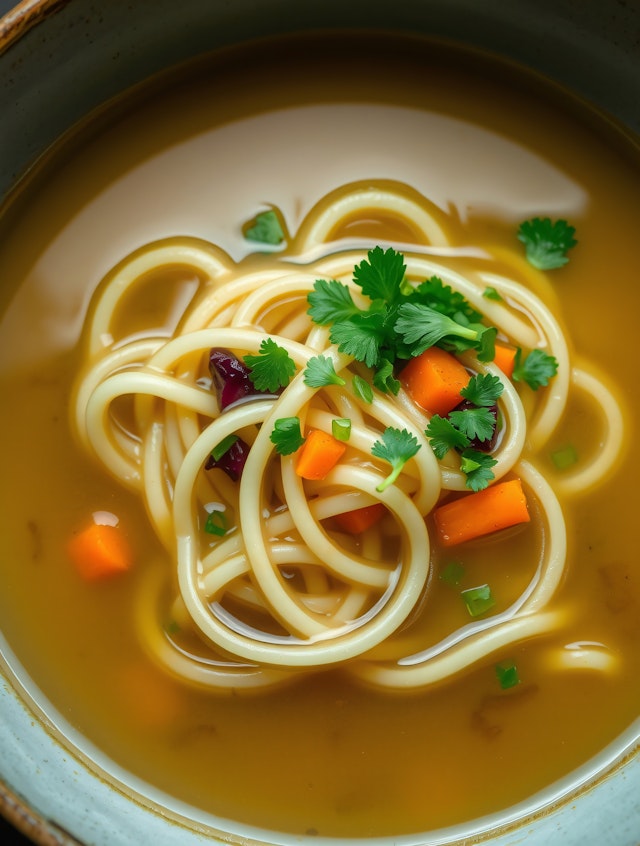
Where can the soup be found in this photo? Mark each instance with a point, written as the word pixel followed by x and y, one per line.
pixel 260 657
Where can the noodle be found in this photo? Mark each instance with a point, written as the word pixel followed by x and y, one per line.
pixel 281 594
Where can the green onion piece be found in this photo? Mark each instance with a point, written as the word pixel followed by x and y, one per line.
pixel 490 293
pixel 507 674
pixel 172 627
pixel 362 389
pixel 216 523
pixel 564 457
pixel 453 573
pixel 223 447
pixel 341 428
pixel 478 600
pixel 265 228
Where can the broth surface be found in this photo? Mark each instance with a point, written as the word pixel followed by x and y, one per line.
pixel 198 155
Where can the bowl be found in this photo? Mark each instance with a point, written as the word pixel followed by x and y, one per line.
pixel 62 60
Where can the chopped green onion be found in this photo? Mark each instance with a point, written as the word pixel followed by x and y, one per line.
pixel 216 523
pixel 453 573
pixel 507 674
pixel 341 428
pixel 564 457
pixel 490 293
pixel 362 389
pixel 172 627
pixel 223 447
pixel 478 600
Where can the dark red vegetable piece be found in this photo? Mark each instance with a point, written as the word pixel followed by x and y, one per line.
pixel 233 460
pixel 230 377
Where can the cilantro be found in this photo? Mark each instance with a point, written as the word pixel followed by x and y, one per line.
pixel 341 428
pixel 434 294
pixel 286 435
pixel 397 447
pixel 272 368
pixel 483 389
pixel 476 422
pixel 362 389
pixel 536 369
pixel 421 324
pixel 380 276
pixel 546 243
pixel 265 228
pixel 320 372
pixel 443 436
pixel 360 336
pixel 477 466
pixel 490 293
pixel 384 380
pixel 330 302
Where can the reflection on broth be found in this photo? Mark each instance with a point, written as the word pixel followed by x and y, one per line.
pixel 302 642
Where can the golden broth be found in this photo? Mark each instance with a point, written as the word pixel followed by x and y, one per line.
pixel 198 155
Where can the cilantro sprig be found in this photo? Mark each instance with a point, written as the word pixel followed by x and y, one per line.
pixel 320 372
pixel 546 242
pixel 286 435
pixel 536 369
pixel 272 368
pixel 396 446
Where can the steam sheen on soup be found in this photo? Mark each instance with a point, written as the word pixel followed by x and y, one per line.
pixel 256 549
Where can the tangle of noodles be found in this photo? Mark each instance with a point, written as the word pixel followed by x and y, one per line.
pixel 282 593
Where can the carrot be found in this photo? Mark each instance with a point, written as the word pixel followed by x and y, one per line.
pixel 481 513
pixel 319 454
pixel 434 380
pixel 100 551
pixel 505 357
pixel 360 519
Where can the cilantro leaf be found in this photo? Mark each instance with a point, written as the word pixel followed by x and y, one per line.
pixel 474 423
pixel 286 435
pixel 490 293
pixel 330 301
pixel 380 275
pixel 362 389
pixel 546 242
pixel 477 466
pixel 536 369
pixel 384 380
pixel 440 297
pixel 483 389
pixel 265 228
pixel 272 368
pixel 320 372
pixel 443 436
pixel 360 336
pixel 397 447
pixel 424 327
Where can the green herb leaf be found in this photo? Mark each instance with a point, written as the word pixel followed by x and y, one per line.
pixel 384 380
pixel 320 372
pixel 341 428
pixel 483 389
pixel 265 228
pixel 536 369
pixel 397 447
pixel 564 457
pixel 422 327
pixel 478 600
pixel 443 436
pixel 272 368
pixel 216 523
pixel 381 275
pixel 453 573
pixel 330 302
pixel 434 294
pixel 507 674
pixel 490 293
pixel 360 336
pixel 286 435
pixel 477 466
pixel 546 242
pixel 362 389
pixel 474 423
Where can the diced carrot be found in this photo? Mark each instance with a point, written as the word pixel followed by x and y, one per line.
pixel 434 380
pixel 360 519
pixel 505 358
pixel 100 551
pixel 477 514
pixel 319 454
